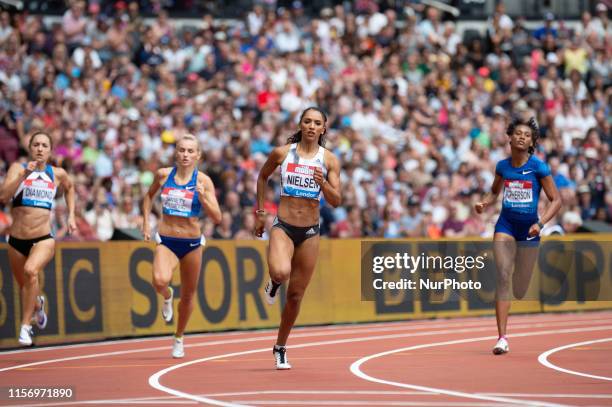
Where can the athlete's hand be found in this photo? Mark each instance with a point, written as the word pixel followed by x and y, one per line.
pixel 318 176
pixel 30 167
pixel 260 222
pixel 146 232
pixel 71 224
pixel 534 230
pixel 200 188
pixel 480 207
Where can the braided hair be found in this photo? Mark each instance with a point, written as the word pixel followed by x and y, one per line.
pixel 297 136
pixel 532 124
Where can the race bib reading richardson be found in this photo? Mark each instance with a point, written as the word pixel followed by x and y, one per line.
pixel 518 193
pixel 551 271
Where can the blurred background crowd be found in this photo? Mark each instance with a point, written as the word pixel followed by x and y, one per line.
pixel 417 109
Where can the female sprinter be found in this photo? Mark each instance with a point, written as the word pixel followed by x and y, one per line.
pixel 32 187
pixel 522 176
pixel 307 169
pixel 185 191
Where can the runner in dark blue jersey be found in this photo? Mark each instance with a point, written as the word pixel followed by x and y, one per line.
pixel 521 177
pixel 185 192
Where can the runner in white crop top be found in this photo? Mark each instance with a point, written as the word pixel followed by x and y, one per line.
pixel 309 172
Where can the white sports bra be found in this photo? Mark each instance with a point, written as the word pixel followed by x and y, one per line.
pixel 297 178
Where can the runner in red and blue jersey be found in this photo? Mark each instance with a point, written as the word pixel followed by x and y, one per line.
pixel 185 191
pixel 32 187
pixel 521 176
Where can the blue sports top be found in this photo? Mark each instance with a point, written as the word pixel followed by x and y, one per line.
pixel 181 200
pixel 522 187
pixel 37 190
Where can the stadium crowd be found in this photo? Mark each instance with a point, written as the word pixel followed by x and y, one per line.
pixel 417 112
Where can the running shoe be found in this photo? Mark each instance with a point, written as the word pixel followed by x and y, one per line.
pixel 280 355
pixel 41 315
pixel 501 347
pixel 270 291
pixel 167 309
pixel 25 335
pixel 178 350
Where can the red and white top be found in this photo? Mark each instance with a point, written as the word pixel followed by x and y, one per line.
pixel 297 174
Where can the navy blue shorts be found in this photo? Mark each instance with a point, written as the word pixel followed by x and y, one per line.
pixel 179 246
pixel 519 230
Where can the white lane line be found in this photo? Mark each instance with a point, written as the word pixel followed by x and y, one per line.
pixel 356 366
pixel 302 335
pixel 240 341
pixel 543 359
pixel 366 403
pixel 244 393
pixel 552 395
pixel 154 380
pixel 528 318
pixel 326 331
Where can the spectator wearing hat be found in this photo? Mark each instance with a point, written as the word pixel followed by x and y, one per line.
pixel 547 29
pixel 571 222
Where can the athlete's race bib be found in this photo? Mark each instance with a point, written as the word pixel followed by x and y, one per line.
pixel 299 181
pixel 38 193
pixel 177 202
pixel 518 193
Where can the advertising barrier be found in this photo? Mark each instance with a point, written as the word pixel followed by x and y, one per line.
pixel 103 290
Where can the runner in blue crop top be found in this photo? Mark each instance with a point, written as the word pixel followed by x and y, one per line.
pixel 184 192
pixel 521 177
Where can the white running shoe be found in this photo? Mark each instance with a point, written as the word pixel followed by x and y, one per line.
pixel 41 315
pixel 167 309
pixel 270 291
pixel 280 355
pixel 501 347
pixel 25 335
pixel 178 350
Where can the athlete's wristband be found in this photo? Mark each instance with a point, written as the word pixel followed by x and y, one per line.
pixel 540 224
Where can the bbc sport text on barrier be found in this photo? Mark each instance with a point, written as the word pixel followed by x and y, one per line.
pixel 103 290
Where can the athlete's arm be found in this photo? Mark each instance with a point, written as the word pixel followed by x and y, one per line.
pixel 208 198
pixel 147 202
pixel 551 210
pixel 330 186
pixel 491 197
pixel 66 182
pixel 15 175
pixel 275 158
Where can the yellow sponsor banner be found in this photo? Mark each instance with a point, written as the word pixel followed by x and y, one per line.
pixel 103 290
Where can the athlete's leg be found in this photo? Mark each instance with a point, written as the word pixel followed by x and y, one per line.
pixel 526 255
pixel 164 264
pixel 280 252
pixel 504 248
pixel 17 261
pixel 303 266
pixel 40 255
pixel 190 273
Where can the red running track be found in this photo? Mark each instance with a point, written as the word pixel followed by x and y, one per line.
pixel 554 359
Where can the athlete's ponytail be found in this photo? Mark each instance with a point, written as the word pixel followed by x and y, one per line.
pixel 297 136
